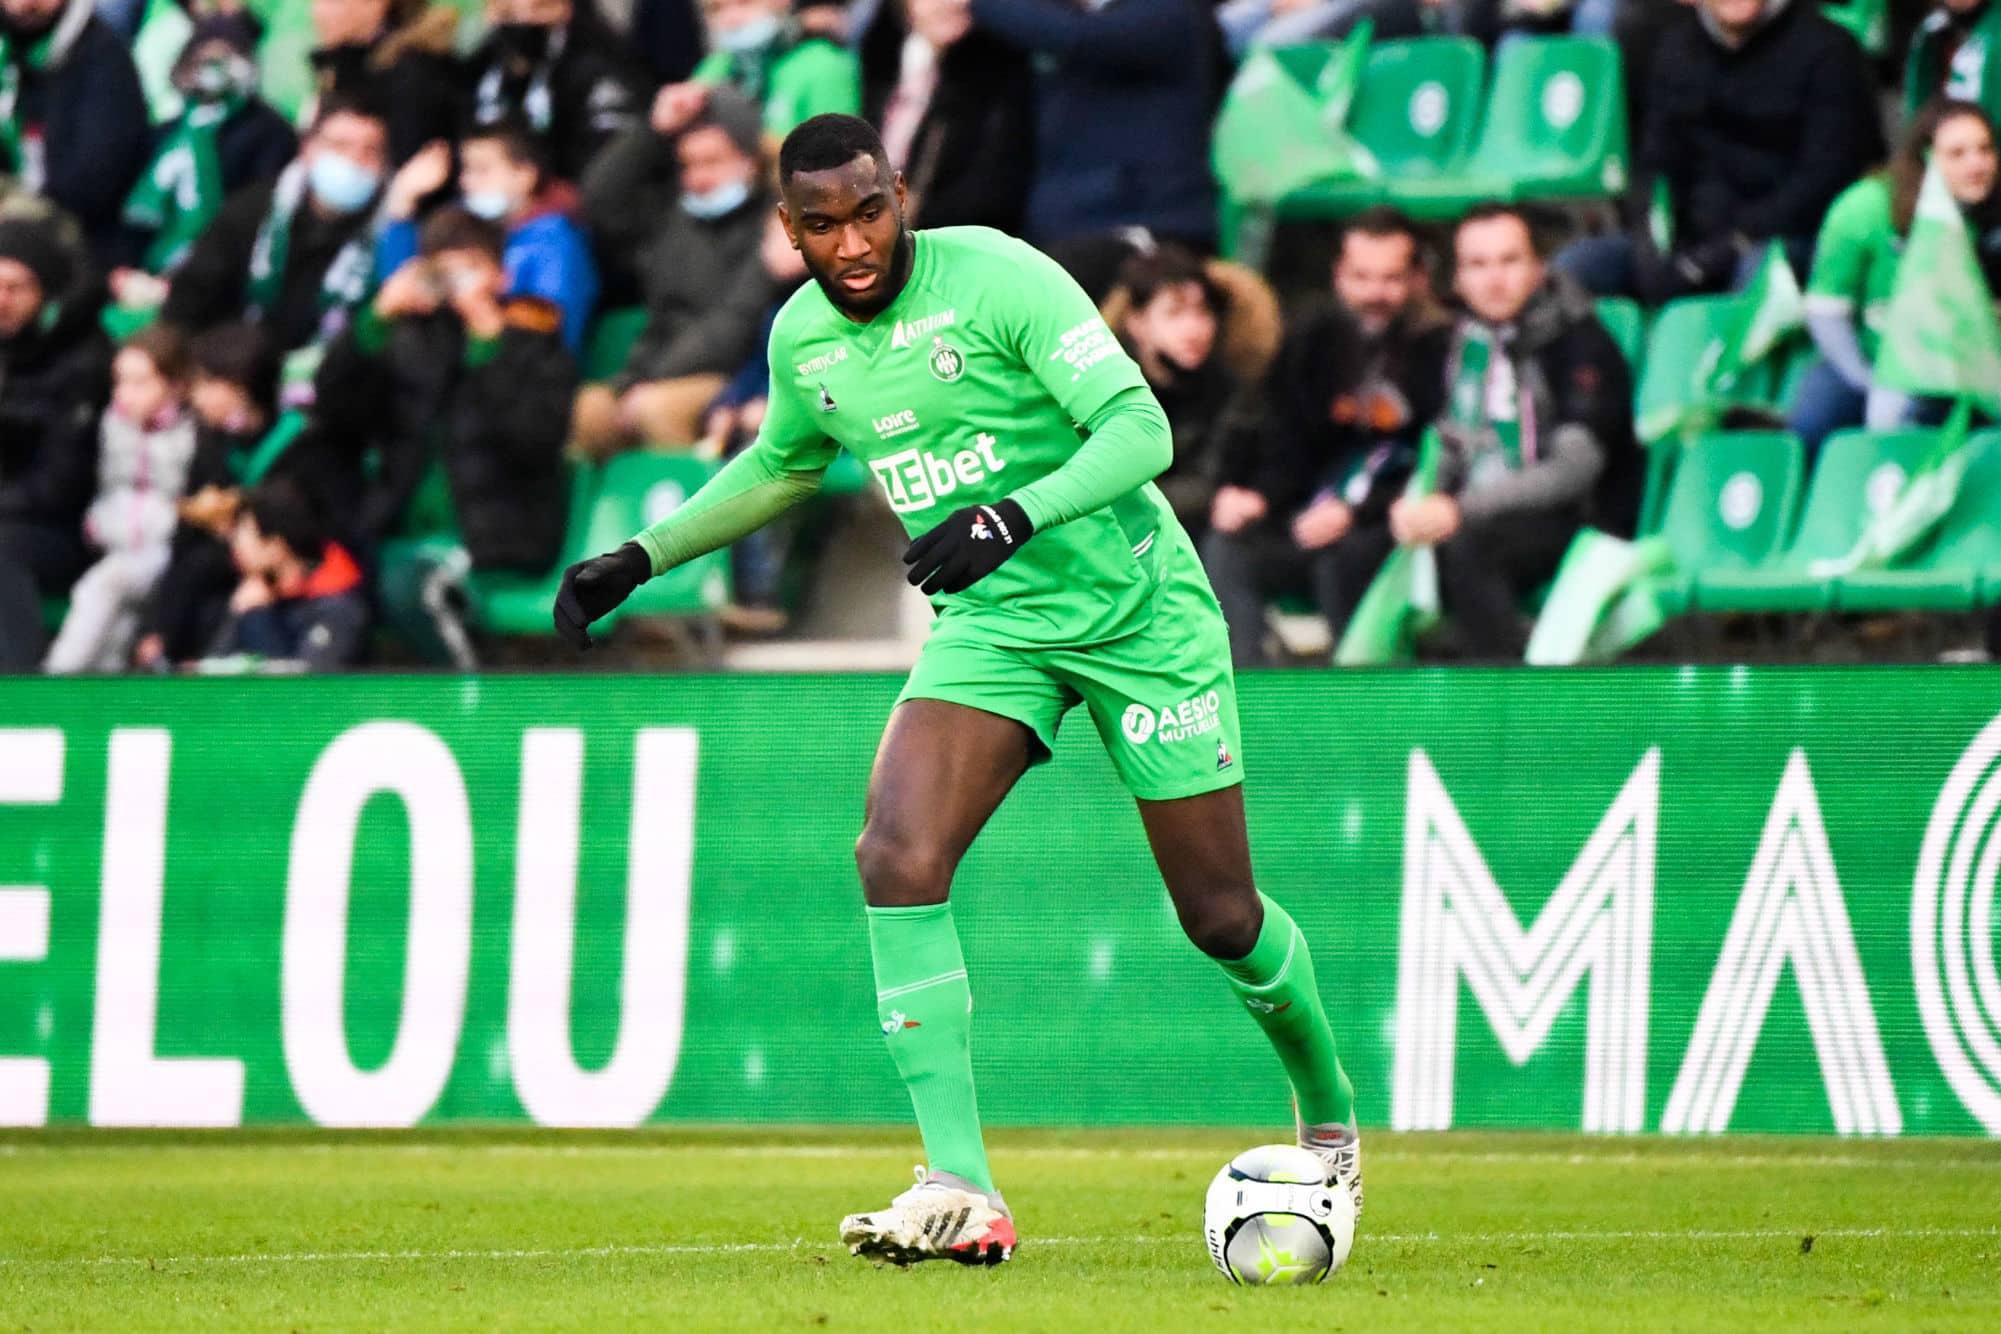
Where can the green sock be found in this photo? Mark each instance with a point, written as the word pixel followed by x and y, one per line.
pixel 1275 982
pixel 926 1008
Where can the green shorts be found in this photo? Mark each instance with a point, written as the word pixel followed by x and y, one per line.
pixel 1162 698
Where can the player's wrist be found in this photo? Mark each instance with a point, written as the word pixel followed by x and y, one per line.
pixel 1014 522
pixel 635 562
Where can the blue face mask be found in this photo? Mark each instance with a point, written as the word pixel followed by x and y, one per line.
pixel 341 183
pixel 714 204
pixel 760 32
pixel 493 205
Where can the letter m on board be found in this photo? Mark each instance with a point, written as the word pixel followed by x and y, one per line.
pixel 1457 924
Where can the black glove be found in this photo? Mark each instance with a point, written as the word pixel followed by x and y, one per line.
pixel 967 546
pixel 593 587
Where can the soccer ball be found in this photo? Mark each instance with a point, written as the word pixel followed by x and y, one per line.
pixel 1270 1218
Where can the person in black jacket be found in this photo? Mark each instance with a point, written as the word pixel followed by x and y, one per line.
pixel 398 55
pixel 554 66
pixel 297 257
pixel 1760 113
pixel 1353 388
pixel 244 139
pixel 73 118
pixel 466 394
pixel 55 378
pixel 956 107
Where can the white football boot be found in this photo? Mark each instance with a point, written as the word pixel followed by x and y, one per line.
pixel 1340 1148
pixel 942 1217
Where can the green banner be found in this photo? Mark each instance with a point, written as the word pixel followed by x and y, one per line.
pixel 1683 900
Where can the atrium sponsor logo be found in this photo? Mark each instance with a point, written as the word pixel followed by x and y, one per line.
pixel 907 332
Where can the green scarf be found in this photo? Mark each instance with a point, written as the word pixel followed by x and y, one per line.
pixel 36 57
pixel 250 468
pixel 1468 409
pixel 181 188
pixel 347 279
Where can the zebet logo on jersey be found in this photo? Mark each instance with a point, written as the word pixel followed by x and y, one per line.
pixel 917 479
pixel 1191 718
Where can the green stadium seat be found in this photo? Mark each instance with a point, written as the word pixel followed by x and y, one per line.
pixel 1555 128
pixel 610 342
pixel 637 488
pixel 53 611
pixel 519 604
pixel 1730 504
pixel 1627 324
pixel 1961 566
pixel 1654 492
pixel 1857 475
pixel 1683 346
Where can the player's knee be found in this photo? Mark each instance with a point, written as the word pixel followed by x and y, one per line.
pixel 1222 926
pixel 899 872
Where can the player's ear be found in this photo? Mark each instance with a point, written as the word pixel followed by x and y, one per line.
pixel 785 221
pixel 901 190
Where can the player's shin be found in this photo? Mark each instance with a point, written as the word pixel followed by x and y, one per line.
pixel 1276 984
pixel 925 1007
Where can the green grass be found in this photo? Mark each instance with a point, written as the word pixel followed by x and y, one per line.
pixel 731 1230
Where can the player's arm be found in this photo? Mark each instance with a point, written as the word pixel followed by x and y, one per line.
pixel 1048 321
pixel 781 468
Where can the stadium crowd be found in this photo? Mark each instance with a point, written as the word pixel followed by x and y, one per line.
pixel 299 302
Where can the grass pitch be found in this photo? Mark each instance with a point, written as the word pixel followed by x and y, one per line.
pixel 732 1230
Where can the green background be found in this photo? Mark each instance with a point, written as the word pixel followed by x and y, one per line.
pixel 1091 1009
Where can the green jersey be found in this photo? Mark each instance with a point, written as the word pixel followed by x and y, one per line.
pixel 1855 260
pixel 972 386
pixel 792 80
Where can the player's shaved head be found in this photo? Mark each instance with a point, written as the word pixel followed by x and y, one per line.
pixel 842 206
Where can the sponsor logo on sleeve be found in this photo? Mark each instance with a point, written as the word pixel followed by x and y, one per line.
pixel 1085 347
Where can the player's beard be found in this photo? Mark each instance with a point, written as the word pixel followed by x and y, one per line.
pixel 901 258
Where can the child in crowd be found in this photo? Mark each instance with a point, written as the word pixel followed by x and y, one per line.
pixel 300 600
pixel 147 441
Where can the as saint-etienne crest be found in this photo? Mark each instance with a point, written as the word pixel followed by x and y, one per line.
pixel 947 362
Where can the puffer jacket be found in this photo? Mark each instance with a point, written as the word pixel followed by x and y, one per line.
pixel 141 473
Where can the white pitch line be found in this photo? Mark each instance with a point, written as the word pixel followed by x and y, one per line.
pixel 1193 1243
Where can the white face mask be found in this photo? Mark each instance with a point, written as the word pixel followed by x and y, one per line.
pixel 760 32
pixel 717 202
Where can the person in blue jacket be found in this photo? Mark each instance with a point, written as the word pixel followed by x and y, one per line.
pixel 502 178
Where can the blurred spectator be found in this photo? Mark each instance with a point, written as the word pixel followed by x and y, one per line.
pixel 1203 336
pixel 695 232
pixel 502 179
pixel 226 138
pixel 1760 113
pixel 146 444
pixel 73 119
pixel 296 257
pixel 300 600
pixel 469 393
pixel 956 113
pixel 1124 94
pixel 1956 53
pixel 1353 388
pixel 1252 23
pixel 1539 413
pixel 756 48
pixel 54 380
pixel 554 66
pixel 1855 266
pixel 397 54
pixel 666 36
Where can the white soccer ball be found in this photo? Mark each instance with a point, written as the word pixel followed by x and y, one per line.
pixel 1270 1218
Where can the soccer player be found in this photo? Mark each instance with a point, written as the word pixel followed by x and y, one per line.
pixel 1017 441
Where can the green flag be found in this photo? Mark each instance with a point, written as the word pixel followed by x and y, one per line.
pixel 1606 598
pixel 1768 311
pixel 1940 336
pixel 1275 136
pixel 1928 495
pixel 1402 600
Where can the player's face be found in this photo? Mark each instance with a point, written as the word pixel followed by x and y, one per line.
pixel 847 224
pixel 1496 268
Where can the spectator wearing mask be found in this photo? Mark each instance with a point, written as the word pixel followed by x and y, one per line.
pixel 1124 94
pixel 956 107
pixel 502 179
pixel 1352 390
pixel 469 392
pixel 73 120
pixel 1855 267
pixel 1202 335
pixel 300 601
pixel 555 67
pixel 1956 53
pixel 146 445
pixel 1538 421
pixel 757 48
pixel 1760 113
pixel 297 257
pixel 395 54
pixel 692 209
pixel 225 138
pixel 55 368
